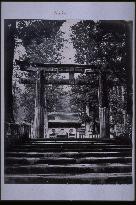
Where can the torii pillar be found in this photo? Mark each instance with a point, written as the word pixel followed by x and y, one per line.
pixel 40 118
pixel 87 124
pixel 103 106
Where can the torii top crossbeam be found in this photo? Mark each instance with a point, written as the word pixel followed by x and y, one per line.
pixel 49 67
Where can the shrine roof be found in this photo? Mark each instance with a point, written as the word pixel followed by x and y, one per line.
pixel 63 117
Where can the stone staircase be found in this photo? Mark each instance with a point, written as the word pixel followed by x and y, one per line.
pixel 86 161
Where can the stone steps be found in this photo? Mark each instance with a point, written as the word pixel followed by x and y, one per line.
pixel 66 160
pixel 69 168
pixel 70 145
pixel 89 178
pixel 70 142
pixel 69 154
pixel 75 140
pixel 95 161
pixel 76 149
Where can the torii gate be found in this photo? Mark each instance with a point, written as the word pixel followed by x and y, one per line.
pixel 41 120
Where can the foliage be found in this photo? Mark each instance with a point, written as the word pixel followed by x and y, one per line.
pixel 41 42
pixel 37 30
pixel 104 44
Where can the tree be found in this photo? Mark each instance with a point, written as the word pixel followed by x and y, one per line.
pixel 9 44
pixel 84 99
pixel 105 45
pixel 38 38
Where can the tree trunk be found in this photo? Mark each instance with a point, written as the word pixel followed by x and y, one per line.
pixel 129 81
pixel 9 45
pixel 103 106
pixel 129 74
pixel 71 78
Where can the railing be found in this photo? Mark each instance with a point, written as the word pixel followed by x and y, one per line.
pixel 15 132
pixel 90 135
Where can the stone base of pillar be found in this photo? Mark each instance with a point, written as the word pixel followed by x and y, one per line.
pixel 87 130
pixel 46 127
pixel 38 125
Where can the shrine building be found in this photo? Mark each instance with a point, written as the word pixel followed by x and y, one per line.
pixel 63 125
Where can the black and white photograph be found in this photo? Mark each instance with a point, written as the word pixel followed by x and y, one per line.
pixel 68 101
